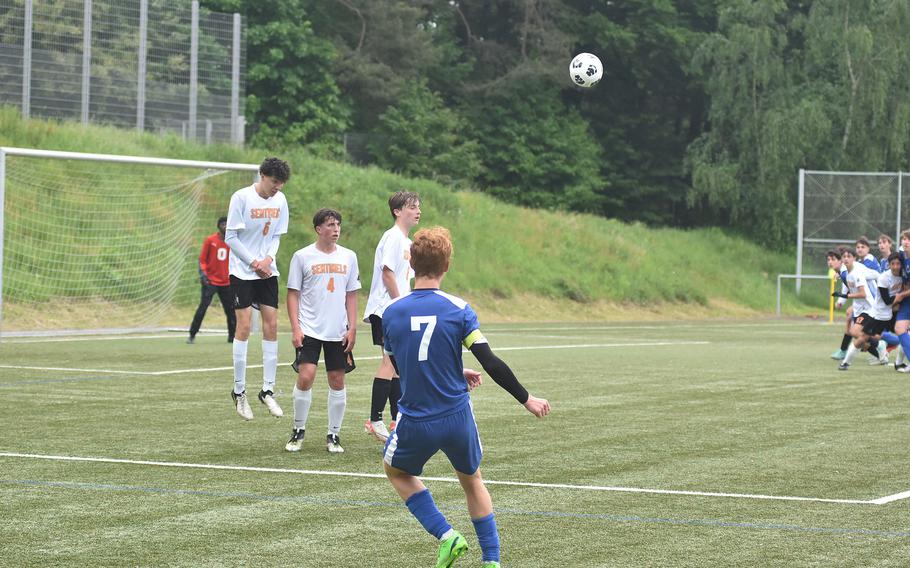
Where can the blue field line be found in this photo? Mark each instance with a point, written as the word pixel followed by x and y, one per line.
pixel 847 531
pixel 64 380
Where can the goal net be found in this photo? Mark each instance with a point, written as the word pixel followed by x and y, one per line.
pixel 104 242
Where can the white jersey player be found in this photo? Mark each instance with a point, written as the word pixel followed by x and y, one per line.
pixel 257 217
pixel 392 275
pixel 862 287
pixel 323 280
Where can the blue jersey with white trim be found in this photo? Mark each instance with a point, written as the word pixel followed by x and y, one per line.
pixel 425 330
pixel 905 267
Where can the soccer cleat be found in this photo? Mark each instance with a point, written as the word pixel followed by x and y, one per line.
pixel 243 405
pixel 843 366
pixel 450 549
pixel 839 354
pixel 333 444
pixel 296 441
pixel 392 425
pixel 190 340
pixel 883 353
pixel 491 564
pixel 904 369
pixel 266 398
pixel 899 366
pixel 377 429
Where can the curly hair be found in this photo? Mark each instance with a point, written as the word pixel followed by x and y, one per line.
pixel 431 251
pixel 275 168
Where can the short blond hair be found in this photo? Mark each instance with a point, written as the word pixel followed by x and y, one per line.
pixel 431 251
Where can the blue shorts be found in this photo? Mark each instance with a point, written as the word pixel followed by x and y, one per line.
pixel 414 442
pixel 903 312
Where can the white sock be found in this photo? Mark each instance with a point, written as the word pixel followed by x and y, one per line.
pixel 338 401
pixel 852 350
pixel 269 364
pixel 899 359
pixel 302 402
pixel 239 365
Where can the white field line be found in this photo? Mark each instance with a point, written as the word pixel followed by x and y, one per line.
pixel 892 498
pixel 214 369
pixel 440 479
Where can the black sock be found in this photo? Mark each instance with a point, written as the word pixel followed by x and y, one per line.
pixel 845 342
pixel 381 388
pixel 394 395
pixel 873 350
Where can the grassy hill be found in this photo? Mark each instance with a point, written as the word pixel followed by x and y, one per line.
pixel 513 263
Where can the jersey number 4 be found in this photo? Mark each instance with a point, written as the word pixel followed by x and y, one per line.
pixel 430 322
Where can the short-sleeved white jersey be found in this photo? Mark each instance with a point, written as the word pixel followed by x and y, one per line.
pixel 893 284
pixel 861 276
pixel 394 252
pixel 323 280
pixel 258 221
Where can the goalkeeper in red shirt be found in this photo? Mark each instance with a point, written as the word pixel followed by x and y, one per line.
pixel 213 275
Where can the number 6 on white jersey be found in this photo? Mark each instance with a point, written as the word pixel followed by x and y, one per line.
pixel 416 321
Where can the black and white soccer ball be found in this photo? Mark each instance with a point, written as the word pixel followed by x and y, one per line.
pixel 586 70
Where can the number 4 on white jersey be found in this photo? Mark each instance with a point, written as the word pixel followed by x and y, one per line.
pixel 430 322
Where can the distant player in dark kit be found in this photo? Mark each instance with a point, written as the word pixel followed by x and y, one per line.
pixel 213 275
pixel 424 332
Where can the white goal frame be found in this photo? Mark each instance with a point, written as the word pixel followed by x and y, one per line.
pixel 54 154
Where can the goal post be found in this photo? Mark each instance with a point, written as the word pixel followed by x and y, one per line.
pixel 104 241
pixel 821 291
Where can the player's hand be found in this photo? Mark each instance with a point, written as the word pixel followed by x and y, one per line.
pixel 297 338
pixel 838 295
pixel 539 407
pixel 348 340
pixel 473 378
pixel 839 303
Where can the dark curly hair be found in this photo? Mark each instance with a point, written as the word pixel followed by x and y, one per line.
pixel 275 168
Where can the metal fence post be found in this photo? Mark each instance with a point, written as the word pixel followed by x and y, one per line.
pixel 900 190
pixel 143 56
pixel 86 57
pixel 801 213
pixel 26 65
pixel 236 137
pixel 2 196
pixel 194 68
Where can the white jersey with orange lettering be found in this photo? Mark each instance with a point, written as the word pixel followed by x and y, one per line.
pixel 323 280
pixel 863 277
pixel 259 224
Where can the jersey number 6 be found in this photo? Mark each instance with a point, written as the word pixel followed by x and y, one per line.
pixel 430 322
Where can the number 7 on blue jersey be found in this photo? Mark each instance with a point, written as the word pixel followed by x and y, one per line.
pixel 430 322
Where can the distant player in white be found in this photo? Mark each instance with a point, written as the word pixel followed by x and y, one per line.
pixel 862 288
pixel 322 307
pixel 257 217
pixel 392 275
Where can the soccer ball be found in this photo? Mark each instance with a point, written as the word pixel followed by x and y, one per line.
pixel 586 70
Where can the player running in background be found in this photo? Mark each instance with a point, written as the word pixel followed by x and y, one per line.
pixel 213 275
pixel 835 264
pixel 861 281
pixel 424 332
pixel 323 280
pixel 257 217
pixel 902 318
pixel 391 278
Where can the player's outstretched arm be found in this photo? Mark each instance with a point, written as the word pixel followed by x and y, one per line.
pixel 503 376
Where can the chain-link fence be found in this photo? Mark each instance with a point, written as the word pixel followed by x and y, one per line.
pixel 835 208
pixel 154 65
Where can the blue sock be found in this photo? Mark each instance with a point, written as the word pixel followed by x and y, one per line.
pixel 890 338
pixel 488 537
pixel 905 342
pixel 422 506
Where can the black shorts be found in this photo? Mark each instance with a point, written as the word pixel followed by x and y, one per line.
pixel 871 326
pixel 376 327
pixel 333 355
pixel 254 293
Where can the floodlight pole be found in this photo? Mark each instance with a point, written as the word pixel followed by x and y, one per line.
pixel 800 218
pixel 900 187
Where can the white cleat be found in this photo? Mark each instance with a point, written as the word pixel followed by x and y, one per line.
pixel 377 429
pixel 266 398
pixel 904 369
pixel 243 405
pixel 296 441
pixel 333 444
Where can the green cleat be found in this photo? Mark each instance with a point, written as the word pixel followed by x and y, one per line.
pixel 491 564
pixel 450 549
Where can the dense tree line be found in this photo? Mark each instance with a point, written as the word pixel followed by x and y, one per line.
pixel 706 111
